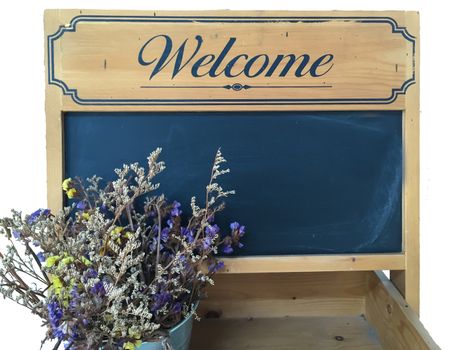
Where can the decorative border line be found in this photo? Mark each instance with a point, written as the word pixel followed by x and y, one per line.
pixel 52 80
pixel 235 87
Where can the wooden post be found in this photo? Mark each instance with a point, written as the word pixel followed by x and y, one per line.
pixel 408 281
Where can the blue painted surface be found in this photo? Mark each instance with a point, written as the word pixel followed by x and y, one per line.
pixel 306 182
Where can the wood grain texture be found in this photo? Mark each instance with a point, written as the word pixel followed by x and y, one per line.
pixel 280 295
pixel 54 129
pixel 314 263
pixel 408 280
pixel 396 323
pixel 99 60
pixel 290 333
pixel 370 58
pixel 306 311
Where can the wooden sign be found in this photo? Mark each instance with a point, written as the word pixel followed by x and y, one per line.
pixel 231 60
pixel 344 86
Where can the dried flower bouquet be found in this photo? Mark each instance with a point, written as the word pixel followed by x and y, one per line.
pixel 121 265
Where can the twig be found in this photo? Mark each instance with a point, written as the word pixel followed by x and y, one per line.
pixel 57 344
pixel 36 259
pixel 159 220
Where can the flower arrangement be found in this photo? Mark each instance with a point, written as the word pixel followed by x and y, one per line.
pixel 122 264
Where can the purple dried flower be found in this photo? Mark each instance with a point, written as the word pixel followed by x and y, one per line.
pixel 170 223
pixel 227 249
pixel 211 231
pixel 177 308
pixel 74 297
pixel 237 229
pixel 206 242
pixel 41 256
pixel 98 289
pixel 90 273
pixel 68 344
pixel 34 216
pixel 165 234
pixel 81 205
pixel 160 300
pixel 216 266
pixel 55 317
pixel 176 209
pixel 153 245
pixel 55 313
pixel 184 260
pixel 16 234
pixel 74 292
pixel 58 333
pixel 188 234
pixel 234 238
pixel 241 231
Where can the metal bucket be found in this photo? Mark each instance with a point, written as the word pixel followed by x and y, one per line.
pixel 179 337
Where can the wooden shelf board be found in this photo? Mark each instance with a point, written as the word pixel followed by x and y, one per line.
pixel 314 263
pixel 285 333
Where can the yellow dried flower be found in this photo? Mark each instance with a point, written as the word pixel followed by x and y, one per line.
pixel 51 260
pixel 67 260
pixel 132 346
pixel 71 193
pixel 57 284
pixel 66 184
pixel 86 261
pixel 117 231
pixel 68 188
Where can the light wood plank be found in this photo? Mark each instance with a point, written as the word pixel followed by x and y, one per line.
pixel 396 323
pixel 293 294
pixel 390 66
pixel 408 280
pixel 291 333
pixel 314 263
pixel 54 130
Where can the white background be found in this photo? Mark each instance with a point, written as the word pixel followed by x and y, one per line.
pixel 443 142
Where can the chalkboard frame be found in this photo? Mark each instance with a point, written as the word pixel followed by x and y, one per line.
pixel 404 266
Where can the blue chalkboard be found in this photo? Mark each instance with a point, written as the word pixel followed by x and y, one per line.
pixel 306 182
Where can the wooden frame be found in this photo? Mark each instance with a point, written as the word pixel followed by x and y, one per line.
pixel 404 266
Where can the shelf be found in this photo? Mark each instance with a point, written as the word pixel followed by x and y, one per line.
pixel 301 311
